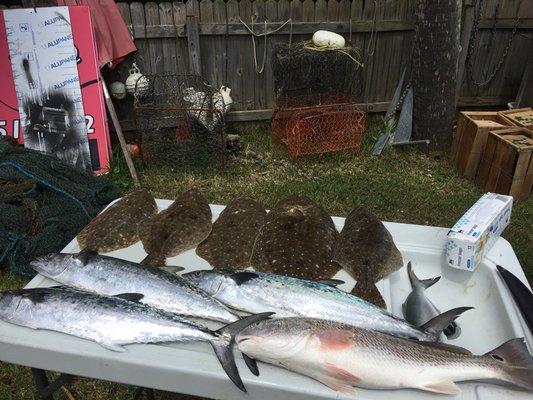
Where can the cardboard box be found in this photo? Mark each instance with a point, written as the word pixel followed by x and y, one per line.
pixel 476 231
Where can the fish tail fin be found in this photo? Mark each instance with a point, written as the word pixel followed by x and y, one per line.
pixel 435 326
pixel 516 362
pixel 368 291
pixel 425 283
pixel 223 345
pixel 153 260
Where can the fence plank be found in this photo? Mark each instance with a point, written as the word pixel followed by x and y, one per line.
pixel 193 37
pixel 246 58
pixel 207 44
pixel 333 10
pixel 235 67
pixel 259 13
pixel 182 54
pixel 155 46
pixel 170 61
pixel 138 24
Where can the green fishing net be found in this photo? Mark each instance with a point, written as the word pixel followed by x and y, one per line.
pixel 44 203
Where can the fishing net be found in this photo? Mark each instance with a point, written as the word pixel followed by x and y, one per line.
pixel 180 120
pixel 318 123
pixel 44 203
pixel 305 69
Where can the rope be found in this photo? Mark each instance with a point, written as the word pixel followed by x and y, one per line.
pixel 309 45
pixel 373 35
pixel 258 69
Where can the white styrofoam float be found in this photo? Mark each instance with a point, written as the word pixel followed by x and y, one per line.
pixel 193 369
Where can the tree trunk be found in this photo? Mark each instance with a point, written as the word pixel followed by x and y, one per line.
pixel 436 50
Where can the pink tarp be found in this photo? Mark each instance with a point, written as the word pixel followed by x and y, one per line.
pixel 113 39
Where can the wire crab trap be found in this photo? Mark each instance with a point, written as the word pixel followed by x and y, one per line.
pixel 180 120
pixel 305 69
pixel 316 110
pixel 317 124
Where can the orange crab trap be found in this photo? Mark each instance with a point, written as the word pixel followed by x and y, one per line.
pixel 318 123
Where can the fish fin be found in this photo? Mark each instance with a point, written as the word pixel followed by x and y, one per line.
pixel 112 346
pixel 513 352
pixel 251 364
pixel 85 256
pixel 223 345
pixel 243 276
pixel 370 293
pixel 444 387
pixel 337 385
pixel 342 374
pixel 331 282
pixel 134 297
pixel 153 260
pixel 172 269
pixel 425 283
pixel 443 346
pixel 436 325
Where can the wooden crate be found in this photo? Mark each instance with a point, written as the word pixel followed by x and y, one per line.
pixel 471 135
pixel 520 117
pixel 506 166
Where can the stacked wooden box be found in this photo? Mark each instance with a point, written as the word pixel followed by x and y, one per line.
pixel 506 166
pixel 473 128
pixel 494 150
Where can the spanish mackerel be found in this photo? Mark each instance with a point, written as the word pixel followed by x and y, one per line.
pixel 113 322
pixel 254 292
pixel 109 276
pixel 342 356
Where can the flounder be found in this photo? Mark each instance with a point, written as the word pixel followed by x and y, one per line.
pixel 118 226
pixel 366 251
pixel 297 239
pixel 230 243
pixel 180 227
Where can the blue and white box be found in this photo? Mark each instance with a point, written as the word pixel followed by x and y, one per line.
pixel 478 229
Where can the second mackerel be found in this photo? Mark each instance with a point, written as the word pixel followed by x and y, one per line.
pixel 110 276
pixel 255 292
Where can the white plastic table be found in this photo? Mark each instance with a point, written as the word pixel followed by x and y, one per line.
pixel 193 368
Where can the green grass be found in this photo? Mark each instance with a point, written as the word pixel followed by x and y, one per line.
pixel 401 186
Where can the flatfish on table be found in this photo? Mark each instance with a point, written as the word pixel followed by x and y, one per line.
pixel 297 239
pixel 366 251
pixel 118 226
pixel 230 243
pixel 180 227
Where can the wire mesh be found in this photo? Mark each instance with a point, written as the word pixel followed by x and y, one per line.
pixel 318 123
pixel 301 70
pixel 180 120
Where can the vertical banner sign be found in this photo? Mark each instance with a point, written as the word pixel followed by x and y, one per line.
pixel 45 72
pixel 90 83
pixel 91 87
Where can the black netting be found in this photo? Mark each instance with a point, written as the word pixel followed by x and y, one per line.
pixel 180 119
pixel 302 69
pixel 44 203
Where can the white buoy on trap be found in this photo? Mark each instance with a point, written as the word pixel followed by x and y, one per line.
pixel 136 82
pixel 117 90
pixel 328 39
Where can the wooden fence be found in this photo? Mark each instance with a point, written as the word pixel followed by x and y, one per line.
pixel 186 37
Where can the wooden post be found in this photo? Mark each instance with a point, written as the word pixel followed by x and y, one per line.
pixel 467 19
pixel 193 37
pixel 435 70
